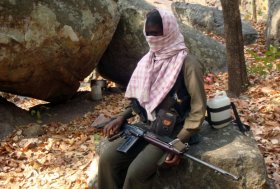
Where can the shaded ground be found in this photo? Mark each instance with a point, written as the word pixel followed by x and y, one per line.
pixel 68 111
pixel 11 115
pixel 24 110
pixel 45 113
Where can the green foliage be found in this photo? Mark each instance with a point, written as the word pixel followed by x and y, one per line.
pixel 260 12
pixel 264 64
pixel 37 113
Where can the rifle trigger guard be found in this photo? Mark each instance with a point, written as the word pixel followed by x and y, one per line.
pixel 115 136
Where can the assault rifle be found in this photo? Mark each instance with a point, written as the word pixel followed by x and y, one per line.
pixel 133 133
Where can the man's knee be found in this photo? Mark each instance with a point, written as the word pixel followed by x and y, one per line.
pixel 138 179
pixel 109 155
pixel 138 175
pixel 106 158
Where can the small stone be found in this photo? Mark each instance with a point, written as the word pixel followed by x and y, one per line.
pixel 15 138
pixel 19 132
pixel 274 141
pixel 34 130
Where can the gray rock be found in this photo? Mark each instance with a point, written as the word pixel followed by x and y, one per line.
pixel 207 19
pixel 211 3
pixel 226 148
pixel 47 47
pixel 33 130
pixel 211 53
pixel 129 45
pixel 273 24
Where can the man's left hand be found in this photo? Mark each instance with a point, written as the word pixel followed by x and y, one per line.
pixel 172 159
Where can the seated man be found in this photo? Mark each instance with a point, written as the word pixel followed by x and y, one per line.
pixel 166 79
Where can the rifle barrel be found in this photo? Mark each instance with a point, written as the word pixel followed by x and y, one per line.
pixel 211 166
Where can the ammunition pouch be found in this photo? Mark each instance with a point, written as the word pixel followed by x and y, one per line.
pixel 164 123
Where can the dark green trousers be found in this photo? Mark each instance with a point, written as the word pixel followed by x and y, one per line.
pixel 133 170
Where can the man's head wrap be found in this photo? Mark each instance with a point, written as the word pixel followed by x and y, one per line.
pixel 157 71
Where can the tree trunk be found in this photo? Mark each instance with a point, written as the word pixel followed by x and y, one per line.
pixel 237 74
pixel 254 9
pixel 273 24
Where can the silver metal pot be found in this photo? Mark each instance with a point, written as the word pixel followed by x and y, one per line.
pixel 101 83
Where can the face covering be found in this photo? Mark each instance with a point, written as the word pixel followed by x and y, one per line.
pixel 157 71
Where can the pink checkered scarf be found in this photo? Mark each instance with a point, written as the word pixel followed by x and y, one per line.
pixel 157 71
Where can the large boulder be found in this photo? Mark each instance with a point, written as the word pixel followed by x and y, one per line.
pixel 207 19
pixel 211 53
pixel 225 148
pixel 273 24
pixel 129 45
pixel 210 3
pixel 47 47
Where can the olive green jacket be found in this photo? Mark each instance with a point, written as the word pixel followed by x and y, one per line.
pixel 193 76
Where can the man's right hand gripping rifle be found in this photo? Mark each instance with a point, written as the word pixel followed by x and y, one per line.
pixel 113 127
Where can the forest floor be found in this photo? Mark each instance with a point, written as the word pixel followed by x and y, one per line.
pixel 61 157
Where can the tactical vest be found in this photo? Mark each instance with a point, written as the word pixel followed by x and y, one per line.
pixel 177 101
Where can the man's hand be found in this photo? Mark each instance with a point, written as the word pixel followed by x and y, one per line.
pixel 172 159
pixel 113 127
